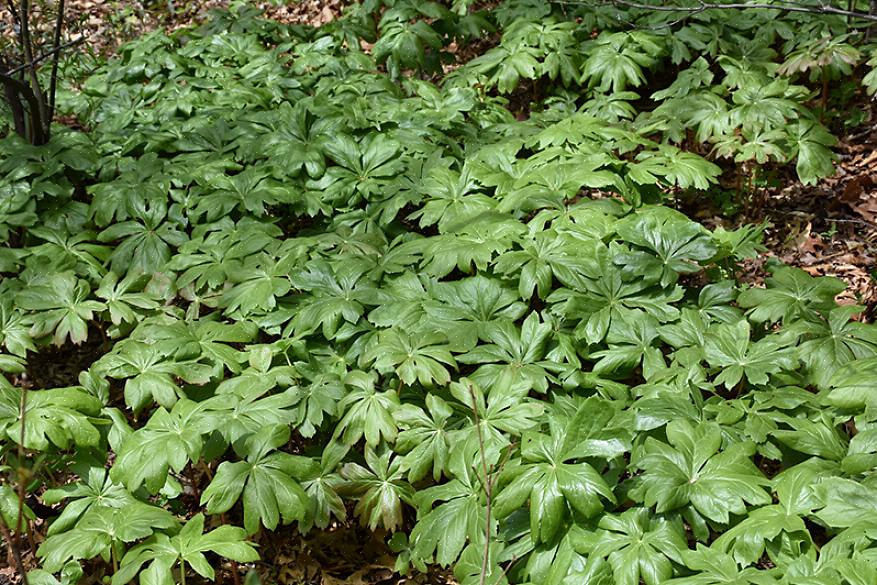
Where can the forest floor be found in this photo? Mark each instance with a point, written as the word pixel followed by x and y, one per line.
pixel 829 229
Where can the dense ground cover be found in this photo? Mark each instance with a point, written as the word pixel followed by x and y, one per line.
pixel 320 278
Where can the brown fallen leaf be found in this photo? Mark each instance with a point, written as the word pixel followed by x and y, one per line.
pixel 868 210
pixel 854 188
pixel 369 575
pixel 807 241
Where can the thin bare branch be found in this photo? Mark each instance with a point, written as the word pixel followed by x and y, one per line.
pixel 13 550
pixel 488 491
pixel 704 6
pixel 12 8
pixel 46 55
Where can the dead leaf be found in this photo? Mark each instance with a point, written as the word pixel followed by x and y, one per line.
pixel 807 241
pixel 854 188
pixel 370 575
pixel 868 210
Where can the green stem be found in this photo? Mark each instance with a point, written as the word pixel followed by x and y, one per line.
pixel 488 492
pixel 21 522
pixel 824 94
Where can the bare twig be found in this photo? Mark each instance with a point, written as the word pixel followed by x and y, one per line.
pixel 13 550
pixel 46 55
pixel 862 222
pixel 856 221
pixel 508 566
pixel 704 6
pixel 861 134
pixel 488 490
pixel 12 9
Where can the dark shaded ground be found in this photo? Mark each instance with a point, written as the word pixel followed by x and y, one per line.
pixel 342 554
pixel 828 229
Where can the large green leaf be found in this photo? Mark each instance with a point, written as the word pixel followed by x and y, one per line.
pixel 692 471
pixel 59 417
pixel 638 546
pixel 188 547
pixel 266 479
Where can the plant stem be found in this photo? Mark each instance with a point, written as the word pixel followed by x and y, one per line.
pixel 872 10
pixel 824 94
pixel 235 573
pixel 196 489
pixel 22 476
pixel 53 79
pixel 206 469
pixel 27 48
pixel 488 490
pixel 750 188
pixel 738 186
pixel 14 543
pixel 15 90
pixel 235 569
